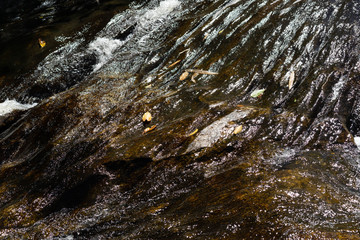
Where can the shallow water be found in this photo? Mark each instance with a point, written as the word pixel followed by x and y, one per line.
pixel 78 165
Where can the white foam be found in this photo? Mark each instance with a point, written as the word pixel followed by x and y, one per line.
pixel 357 141
pixel 103 48
pixel 10 105
pixel 164 9
pixel 337 88
pixel 47 3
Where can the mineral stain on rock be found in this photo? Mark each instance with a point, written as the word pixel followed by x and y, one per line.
pixel 75 163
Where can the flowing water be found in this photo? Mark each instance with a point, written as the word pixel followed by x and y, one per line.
pixel 77 164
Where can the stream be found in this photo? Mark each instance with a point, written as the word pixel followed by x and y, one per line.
pixel 255 119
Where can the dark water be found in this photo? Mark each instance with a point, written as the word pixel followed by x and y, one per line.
pixel 78 165
pixel 55 22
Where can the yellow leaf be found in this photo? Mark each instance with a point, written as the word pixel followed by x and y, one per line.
pixel 194 132
pixel 194 76
pixel 291 79
pixel 184 76
pixel 238 129
pixel 186 50
pixel 257 93
pixel 146 117
pixel 149 129
pixel 173 64
pixel 42 43
pixel 201 71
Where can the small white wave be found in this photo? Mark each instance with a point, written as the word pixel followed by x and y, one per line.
pixel 10 105
pixel 47 3
pixel 337 88
pixel 70 237
pixel 357 141
pixel 103 48
pixel 164 9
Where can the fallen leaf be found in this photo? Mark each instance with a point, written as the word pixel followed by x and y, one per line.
pixel 194 132
pixel 238 129
pixel 184 76
pixel 186 50
pixel 221 31
pixel 146 117
pixel 42 43
pixel 240 105
pixel 149 129
pixel 193 77
pixel 173 64
pixel 200 71
pixel 291 79
pixel 257 93
pixel 205 36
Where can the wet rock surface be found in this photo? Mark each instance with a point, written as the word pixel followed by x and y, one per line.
pixel 78 165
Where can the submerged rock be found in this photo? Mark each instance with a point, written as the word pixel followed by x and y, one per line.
pixel 218 130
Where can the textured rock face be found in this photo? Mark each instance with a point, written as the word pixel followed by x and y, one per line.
pixel 79 165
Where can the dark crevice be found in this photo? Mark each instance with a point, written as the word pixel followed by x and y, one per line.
pixel 82 194
pixel 123 35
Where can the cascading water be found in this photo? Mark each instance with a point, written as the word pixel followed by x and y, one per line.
pixel 256 142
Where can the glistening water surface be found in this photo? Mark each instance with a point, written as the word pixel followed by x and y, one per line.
pixel 221 162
